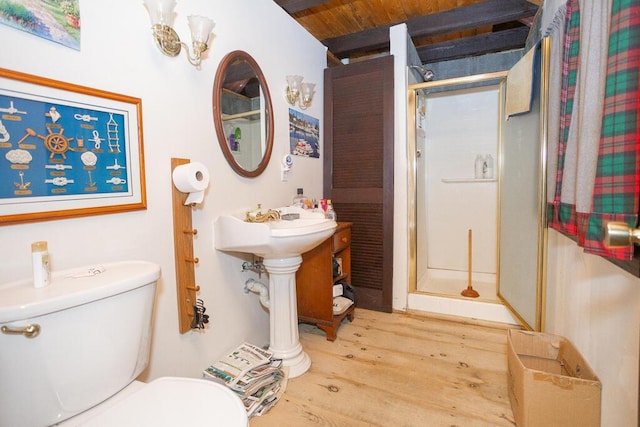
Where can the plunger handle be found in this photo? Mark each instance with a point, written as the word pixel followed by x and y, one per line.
pixel 469 246
pixel 470 292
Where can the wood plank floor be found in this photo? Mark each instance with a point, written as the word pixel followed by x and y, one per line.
pixel 399 370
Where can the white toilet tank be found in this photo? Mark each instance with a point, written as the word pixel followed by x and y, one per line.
pixel 94 340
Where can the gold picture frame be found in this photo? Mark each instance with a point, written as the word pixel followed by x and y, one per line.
pixel 67 150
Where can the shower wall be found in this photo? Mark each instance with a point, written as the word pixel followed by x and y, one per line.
pixel 453 127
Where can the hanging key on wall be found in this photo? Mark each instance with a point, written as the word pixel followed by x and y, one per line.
pixel 199 318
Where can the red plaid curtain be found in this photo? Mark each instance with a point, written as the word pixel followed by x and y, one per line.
pixel 617 185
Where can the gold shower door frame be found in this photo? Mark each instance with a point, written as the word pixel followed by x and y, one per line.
pixel 500 78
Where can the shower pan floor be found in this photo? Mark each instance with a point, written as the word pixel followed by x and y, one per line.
pixel 451 283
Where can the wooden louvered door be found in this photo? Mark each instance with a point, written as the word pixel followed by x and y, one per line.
pixel 358 171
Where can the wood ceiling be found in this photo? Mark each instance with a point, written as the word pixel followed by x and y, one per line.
pixel 440 29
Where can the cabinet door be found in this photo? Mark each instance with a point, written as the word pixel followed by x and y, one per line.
pixel 314 283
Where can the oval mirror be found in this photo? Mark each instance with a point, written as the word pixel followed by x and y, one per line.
pixel 242 114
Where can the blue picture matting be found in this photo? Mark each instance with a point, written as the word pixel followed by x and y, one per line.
pixel 67 150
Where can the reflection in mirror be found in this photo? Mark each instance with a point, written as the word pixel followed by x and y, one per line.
pixel 242 114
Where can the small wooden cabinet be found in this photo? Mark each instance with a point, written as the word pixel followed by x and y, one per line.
pixel 315 280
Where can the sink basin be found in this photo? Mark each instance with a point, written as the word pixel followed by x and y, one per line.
pixel 281 243
pixel 274 239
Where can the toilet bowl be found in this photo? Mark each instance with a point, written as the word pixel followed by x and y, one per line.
pixel 71 352
pixel 166 401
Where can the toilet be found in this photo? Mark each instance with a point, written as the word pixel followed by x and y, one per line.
pixel 70 354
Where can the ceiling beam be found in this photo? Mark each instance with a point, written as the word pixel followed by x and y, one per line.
pixel 486 13
pixel 514 38
pixel 293 6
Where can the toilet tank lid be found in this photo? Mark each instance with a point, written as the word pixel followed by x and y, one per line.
pixel 20 300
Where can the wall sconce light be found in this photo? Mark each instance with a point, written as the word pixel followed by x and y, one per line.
pixel 167 40
pixel 619 234
pixel 299 92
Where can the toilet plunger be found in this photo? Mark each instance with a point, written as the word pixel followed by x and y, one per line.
pixel 470 292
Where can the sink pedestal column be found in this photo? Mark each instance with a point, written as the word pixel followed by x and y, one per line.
pixel 283 314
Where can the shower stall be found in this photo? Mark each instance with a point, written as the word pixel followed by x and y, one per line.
pixel 479 229
pixel 456 190
pixel 457 153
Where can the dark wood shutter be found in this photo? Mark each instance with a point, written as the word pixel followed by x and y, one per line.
pixel 358 171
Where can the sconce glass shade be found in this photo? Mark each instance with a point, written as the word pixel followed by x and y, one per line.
pixel 306 97
pixel 293 88
pixel 201 27
pixel 168 41
pixel 160 11
pixel 294 82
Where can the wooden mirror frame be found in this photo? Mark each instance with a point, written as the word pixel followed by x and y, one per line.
pixel 217 113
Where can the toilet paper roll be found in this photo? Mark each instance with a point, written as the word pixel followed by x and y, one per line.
pixel 192 178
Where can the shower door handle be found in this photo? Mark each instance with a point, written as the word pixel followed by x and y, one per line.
pixel 418 153
pixel 29 331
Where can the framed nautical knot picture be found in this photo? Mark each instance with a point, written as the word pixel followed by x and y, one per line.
pixel 67 150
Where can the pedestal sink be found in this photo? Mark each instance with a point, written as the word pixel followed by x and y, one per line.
pixel 280 243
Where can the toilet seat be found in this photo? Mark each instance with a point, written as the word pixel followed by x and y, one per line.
pixel 170 401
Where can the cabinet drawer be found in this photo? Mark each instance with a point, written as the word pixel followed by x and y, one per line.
pixel 341 240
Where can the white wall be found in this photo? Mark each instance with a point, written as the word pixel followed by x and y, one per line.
pixel 596 305
pixel 119 55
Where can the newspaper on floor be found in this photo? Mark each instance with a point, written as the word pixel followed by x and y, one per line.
pixel 252 373
pixel 235 365
pixel 259 403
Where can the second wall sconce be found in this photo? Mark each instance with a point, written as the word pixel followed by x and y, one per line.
pixel 167 40
pixel 299 92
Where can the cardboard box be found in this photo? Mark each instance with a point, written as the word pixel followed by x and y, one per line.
pixel 550 384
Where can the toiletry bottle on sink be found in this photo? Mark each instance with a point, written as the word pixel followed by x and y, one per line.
pixel 299 199
pixel 330 213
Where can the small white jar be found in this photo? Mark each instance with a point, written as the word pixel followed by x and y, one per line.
pixel 40 262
